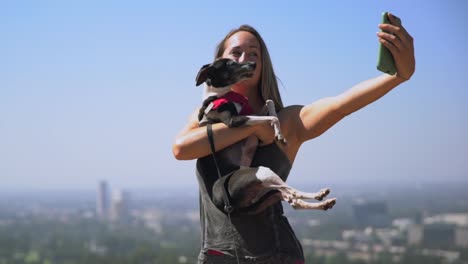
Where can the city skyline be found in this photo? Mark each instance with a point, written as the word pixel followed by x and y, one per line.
pixel 88 90
pixel 402 225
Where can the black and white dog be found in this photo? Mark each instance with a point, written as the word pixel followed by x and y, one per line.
pixel 251 190
pixel 221 104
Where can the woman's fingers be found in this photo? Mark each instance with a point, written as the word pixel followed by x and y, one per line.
pixel 397 29
pixel 390 41
pixel 400 43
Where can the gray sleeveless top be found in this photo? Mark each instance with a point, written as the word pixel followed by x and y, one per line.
pixel 252 236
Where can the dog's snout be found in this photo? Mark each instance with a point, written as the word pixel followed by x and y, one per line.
pixel 249 65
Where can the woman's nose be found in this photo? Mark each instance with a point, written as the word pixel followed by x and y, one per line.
pixel 242 57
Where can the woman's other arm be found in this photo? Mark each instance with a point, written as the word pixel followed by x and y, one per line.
pixel 192 141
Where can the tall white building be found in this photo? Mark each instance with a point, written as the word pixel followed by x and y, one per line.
pixel 102 201
pixel 119 211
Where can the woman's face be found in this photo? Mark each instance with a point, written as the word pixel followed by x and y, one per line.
pixel 243 47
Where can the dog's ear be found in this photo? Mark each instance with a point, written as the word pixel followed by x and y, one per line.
pixel 203 74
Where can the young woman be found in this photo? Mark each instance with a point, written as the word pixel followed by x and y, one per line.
pixel 267 237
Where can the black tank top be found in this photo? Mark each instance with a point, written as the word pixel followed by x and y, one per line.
pixel 252 236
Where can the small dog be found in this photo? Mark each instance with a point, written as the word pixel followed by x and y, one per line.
pixel 223 105
pixel 251 190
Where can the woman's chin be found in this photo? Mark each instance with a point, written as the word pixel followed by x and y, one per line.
pixel 242 85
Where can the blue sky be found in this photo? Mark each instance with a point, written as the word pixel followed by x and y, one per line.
pixel 94 90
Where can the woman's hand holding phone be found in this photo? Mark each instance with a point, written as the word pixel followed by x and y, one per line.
pixel 396 52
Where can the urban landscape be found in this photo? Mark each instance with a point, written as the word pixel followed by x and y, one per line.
pixel 410 224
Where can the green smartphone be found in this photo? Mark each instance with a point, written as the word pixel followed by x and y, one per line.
pixel 385 62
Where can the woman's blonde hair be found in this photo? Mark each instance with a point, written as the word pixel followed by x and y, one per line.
pixel 268 82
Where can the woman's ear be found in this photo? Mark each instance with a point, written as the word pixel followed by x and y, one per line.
pixel 203 74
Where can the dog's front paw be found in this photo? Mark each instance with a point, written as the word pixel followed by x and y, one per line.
pixel 274 121
pixel 279 137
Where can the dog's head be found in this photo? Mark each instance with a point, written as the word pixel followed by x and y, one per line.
pixel 225 72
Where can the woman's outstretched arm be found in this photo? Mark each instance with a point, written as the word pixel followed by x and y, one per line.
pixel 316 118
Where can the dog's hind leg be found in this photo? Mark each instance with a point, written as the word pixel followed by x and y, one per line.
pixel 317 195
pixel 271 180
pixel 295 194
pixel 325 205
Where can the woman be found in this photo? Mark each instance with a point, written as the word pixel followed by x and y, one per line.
pixel 267 237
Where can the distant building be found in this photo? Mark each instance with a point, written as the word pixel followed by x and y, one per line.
pixel 415 234
pixel 359 236
pixel 119 211
pixel 373 214
pixel 461 237
pixel 102 204
pixel 437 236
pixel 449 229
pixel 403 224
pixel 458 219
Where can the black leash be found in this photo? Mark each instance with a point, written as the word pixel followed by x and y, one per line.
pixel 227 205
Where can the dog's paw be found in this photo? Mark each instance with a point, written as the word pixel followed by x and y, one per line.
pixel 280 138
pixel 328 204
pixel 322 194
pixel 274 121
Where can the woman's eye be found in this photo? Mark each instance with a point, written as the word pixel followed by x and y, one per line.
pixel 236 53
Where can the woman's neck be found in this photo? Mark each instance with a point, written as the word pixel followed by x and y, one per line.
pixel 255 100
pixel 257 103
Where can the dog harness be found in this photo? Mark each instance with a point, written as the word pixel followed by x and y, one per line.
pixel 233 97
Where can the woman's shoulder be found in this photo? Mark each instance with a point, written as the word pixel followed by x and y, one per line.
pixel 289 112
pixel 289 118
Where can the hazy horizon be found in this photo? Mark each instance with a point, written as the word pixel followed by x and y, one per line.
pixel 95 91
pixel 192 188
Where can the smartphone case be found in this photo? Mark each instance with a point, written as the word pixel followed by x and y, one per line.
pixel 385 62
